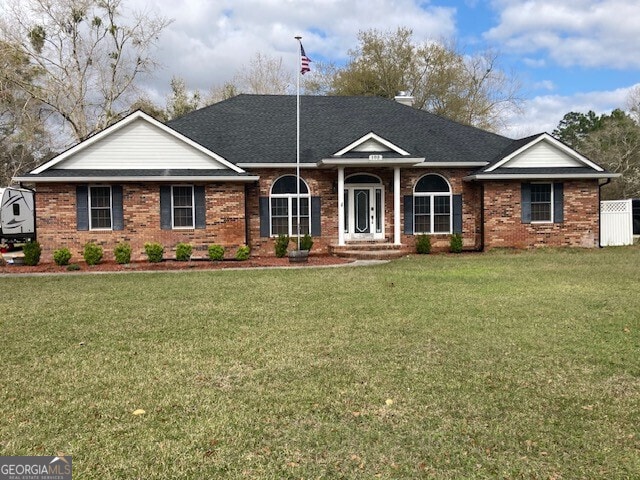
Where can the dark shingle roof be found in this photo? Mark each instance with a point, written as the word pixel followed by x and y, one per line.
pixel 262 129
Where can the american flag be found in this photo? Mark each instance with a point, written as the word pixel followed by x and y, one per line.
pixel 304 61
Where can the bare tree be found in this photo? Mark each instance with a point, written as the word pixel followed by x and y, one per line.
pixel 89 54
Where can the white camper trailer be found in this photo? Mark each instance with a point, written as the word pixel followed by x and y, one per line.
pixel 17 215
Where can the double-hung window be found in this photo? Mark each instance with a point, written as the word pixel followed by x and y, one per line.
pixel 541 202
pixel 432 205
pixel 100 208
pixel 182 206
pixel 284 207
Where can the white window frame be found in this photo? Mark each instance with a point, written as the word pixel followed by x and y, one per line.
pixel 91 227
pixel 432 215
pixel 193 209
pixel 551 210
pixel 291 197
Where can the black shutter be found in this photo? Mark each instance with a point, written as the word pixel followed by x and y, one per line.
pixel 265 229
pixel 165 207
pixel 457 214
pixel 117 221
pixel 82 207
pixel 316 220
pixel 558 203
pixel 408 214
pixel 526 202
pixel 201 207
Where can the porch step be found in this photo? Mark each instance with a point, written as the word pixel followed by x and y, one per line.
pixel 368 251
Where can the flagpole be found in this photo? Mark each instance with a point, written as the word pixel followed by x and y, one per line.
pixel 299 38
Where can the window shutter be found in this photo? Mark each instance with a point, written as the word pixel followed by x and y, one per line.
pixel 316 220
pixel 265 229
pixel 457 214
pixel 201 207
pixel 526 202
pixel 408 214
pixel 82 207
pixel 117 220
pixel 165 207
pixel 558 203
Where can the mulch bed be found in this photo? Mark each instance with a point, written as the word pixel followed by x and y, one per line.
pixel 168 265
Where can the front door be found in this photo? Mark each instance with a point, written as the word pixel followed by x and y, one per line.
pixel 364 212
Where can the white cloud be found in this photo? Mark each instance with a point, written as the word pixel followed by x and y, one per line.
pixel 209 41
pixel 589 33
pixel 543 113
pixel 544 85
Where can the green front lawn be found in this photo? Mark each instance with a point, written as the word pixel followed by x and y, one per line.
pixel 498 365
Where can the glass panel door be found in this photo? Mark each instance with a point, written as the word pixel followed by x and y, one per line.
pixel 361 204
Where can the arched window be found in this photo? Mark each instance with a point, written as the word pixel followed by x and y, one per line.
pixel 432 205
pixel 284 207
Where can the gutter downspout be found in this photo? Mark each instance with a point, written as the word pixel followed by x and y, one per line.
pixel 600 185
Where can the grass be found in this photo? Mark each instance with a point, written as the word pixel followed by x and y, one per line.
pixel 498 365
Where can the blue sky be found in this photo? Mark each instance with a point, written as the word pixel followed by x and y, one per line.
pixel 568 55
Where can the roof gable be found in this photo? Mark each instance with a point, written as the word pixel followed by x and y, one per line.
pixel 138 142
pixel 543 152
pixel 371 143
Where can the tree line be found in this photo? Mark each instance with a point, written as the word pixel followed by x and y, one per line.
pixel 70 68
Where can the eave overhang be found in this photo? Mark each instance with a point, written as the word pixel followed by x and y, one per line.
pixel 369 162
pixel 129 179
pixel 541 176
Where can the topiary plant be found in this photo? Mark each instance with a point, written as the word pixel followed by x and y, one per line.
pixel 281 245
pixel 216 252
pixel 32 252
pixel 243 252
pixel 62 256
pixel 456 243
pixel 92 253
pixel 183 252
pixel 122 252
pixel 154 251
pixel 423 244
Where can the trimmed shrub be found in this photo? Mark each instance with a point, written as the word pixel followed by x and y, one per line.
pixel 243 252
pixel 32 252
pixel 122 252
pixel 92 253
pixel 456 243
pixel 183 252
pixel 306 242
pixel 423 244
pixel 73 267
pixel 62 256
pixel 154 251
pixel 282 244
pixel 216 252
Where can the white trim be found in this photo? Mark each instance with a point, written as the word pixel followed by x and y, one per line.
pixel 193 209
pixel 101 229
pixel 247 179
pixel 556 143
pixel 367 162
pixel 540 176
pixel 432 215
pixel 123 123
pixel 551 206
pixel 450 164
pixel 290 197
pixel 371 136
pixel 251 166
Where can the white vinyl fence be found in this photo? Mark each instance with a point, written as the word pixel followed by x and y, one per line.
pixel 617 223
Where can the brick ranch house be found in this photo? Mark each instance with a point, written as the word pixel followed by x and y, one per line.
pixel 374 172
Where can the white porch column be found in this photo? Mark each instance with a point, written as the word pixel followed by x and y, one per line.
pixel 341 206
pixel 396 206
